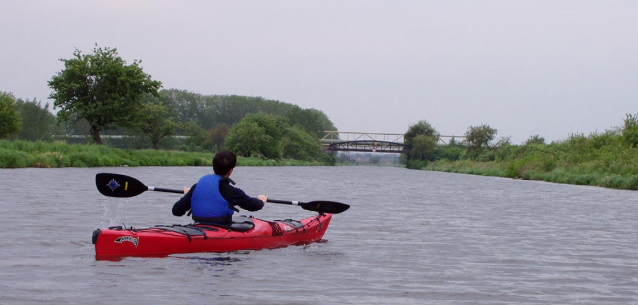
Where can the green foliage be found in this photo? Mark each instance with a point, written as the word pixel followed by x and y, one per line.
pixel 154 120
pixel 100 88
pixel 422 137
pixel 246 138
pixel 298 144
pixel 20 154
pixel 600 159
pixel 38 124
pixel 271 137
pixel 449 152
pixel 630 130
pixel 313 121
pixel 209 111
pixel 9 116
pixel 420 128
pixel 478 138
pixel 423 147
pixel 257 134
pixel 535 139
pixel 217 136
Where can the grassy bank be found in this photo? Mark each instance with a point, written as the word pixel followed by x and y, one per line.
pixel 598 160
pixel 21 154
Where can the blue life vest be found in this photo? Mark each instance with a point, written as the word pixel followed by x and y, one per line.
pixel 207 201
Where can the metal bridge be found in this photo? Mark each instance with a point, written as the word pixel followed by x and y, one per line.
pixel 369 142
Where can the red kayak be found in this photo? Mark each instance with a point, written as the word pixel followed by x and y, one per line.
pixel 245 234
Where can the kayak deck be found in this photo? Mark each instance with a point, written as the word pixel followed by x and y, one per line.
pixel 163 240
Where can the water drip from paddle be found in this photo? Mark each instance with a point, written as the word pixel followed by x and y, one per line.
pixel 113 210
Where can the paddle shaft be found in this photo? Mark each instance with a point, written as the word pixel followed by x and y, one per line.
pixel 285 202
pixel 159 189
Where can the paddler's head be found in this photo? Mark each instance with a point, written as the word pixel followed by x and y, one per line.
pixel 224 162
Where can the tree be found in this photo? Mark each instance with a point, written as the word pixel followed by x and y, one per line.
pixel 100 88
pixel 630 130
pixel 246 138
pixel 422 137
pixel 218 135
pixel 37 122
pixel 422 148
pixel 154 121
pixel 535 139
pixel 9 117
pixel 265 139
pixel 310 120
pixel 299 144
pixel 478 138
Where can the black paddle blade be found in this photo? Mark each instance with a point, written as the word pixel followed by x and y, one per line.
pixel 115 185
pixel 331 207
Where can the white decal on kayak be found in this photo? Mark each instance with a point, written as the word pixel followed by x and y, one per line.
pixel 131 239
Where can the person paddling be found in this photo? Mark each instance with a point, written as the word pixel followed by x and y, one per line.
pixel 213 199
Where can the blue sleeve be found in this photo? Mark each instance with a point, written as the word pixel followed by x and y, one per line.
pixel 246 202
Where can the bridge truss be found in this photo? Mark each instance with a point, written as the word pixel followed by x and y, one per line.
pixel 370 146
pixel 369 141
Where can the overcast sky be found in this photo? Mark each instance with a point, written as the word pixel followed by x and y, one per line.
pixel 550 68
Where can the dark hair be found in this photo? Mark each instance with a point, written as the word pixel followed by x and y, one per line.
pixel 223 162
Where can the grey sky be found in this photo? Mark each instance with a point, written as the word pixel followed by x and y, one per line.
pixel 524 67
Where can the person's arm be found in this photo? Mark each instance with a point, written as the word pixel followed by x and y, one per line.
pixel 246 202
pixel 184 204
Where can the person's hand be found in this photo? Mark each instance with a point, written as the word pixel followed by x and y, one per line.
pixel 186 189
pixel 263 198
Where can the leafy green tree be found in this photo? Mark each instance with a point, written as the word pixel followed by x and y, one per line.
pixel 209 111
pixel 422 148
pixel 266 140
pixel 478 138
pixel 10 122
pixel 420 128
pixel 535 139
pixel 299 144
pixel 311 120
pixel 630 130
pixel 246 138
pixel 100 88
pixel 196 136
pixel 154 121
pixel 422 137
pixel 38 123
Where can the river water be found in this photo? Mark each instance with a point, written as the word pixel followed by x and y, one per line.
pixel 410 237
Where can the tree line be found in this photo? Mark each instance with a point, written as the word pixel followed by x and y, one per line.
pixel 100 94
pixel 608 159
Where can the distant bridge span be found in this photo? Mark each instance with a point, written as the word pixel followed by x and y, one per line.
pixel 370 141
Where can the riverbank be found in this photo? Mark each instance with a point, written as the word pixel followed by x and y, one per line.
pixel 22 154
pixel 598 160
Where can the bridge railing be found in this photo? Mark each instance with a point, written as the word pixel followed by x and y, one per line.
pixel 343 136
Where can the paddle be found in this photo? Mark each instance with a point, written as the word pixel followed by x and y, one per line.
pixel 331 207
pixel 116 185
